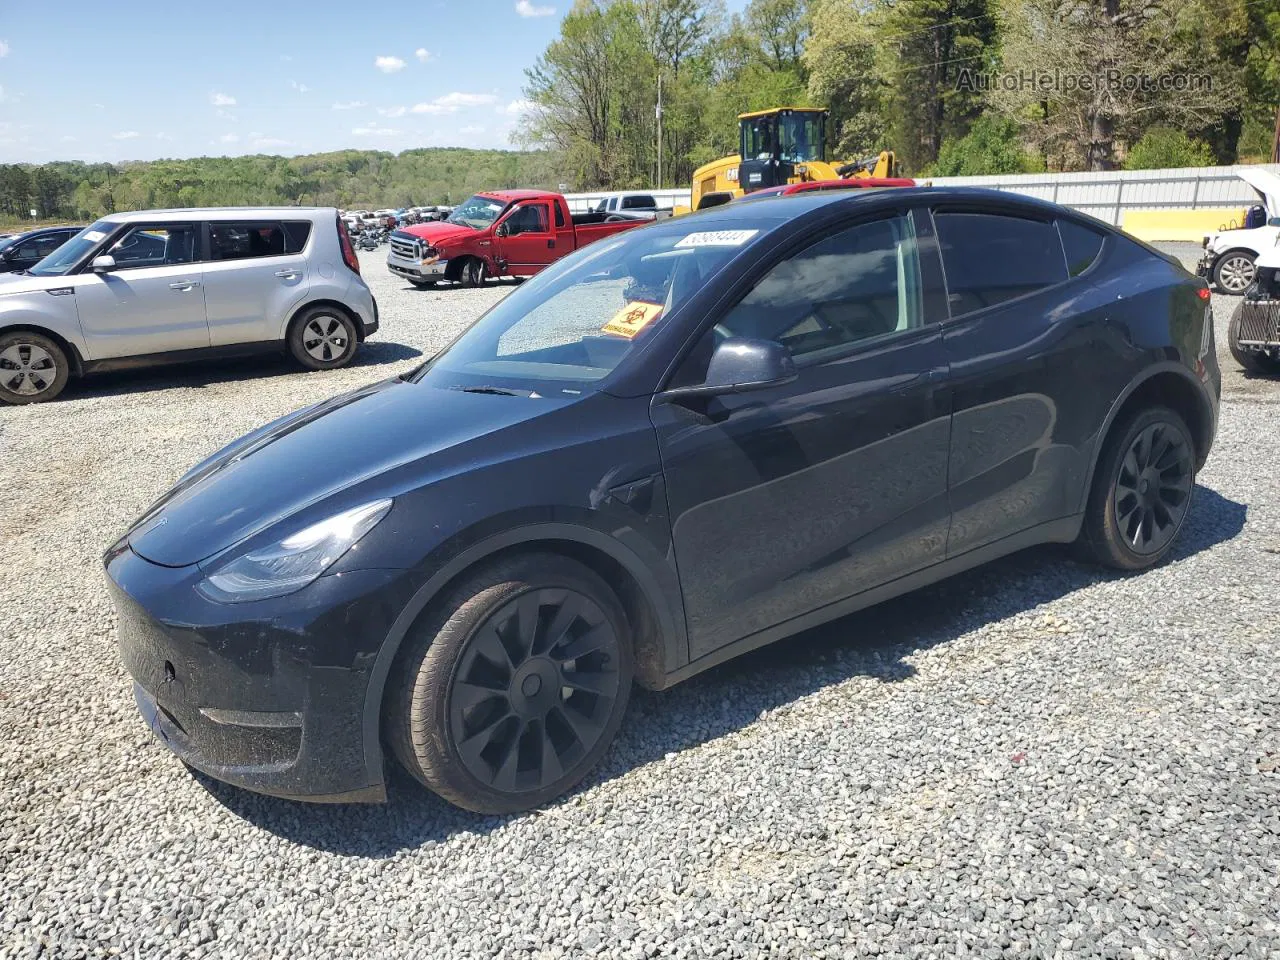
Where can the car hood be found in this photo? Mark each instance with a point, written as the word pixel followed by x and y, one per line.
pixel 1267 186
pixel 308 456
pixel 13 282
pixel 439 232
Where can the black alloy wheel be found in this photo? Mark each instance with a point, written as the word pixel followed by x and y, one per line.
pixel 1153 487
pixel 534 690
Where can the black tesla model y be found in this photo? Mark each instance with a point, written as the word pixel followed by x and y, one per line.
pixel 671 447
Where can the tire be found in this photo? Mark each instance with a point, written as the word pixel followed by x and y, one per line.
pixel 473 272
pixel 33 368
pixel 1253 361
pixel 1132 521
pixel 1234 271
pixel 472 717
pixel 323 338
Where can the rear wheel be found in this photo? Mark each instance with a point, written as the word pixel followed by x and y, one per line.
pixel 512 691
pixel 1141 490
pixel 1254 361
pixel 32 368
pixel 323 338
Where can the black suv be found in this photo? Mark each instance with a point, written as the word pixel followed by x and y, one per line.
pixel 667 449
pixel 26 250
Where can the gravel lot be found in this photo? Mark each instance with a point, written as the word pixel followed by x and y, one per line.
pixel 1032 760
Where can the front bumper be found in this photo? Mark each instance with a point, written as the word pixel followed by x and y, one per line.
pixel 420 270
pixel 268 696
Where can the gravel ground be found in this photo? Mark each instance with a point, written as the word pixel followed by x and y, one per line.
pixel 1032 760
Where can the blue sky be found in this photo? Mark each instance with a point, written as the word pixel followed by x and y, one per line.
pixel 137 81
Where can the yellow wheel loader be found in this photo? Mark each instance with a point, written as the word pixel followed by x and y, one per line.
pixel 777 147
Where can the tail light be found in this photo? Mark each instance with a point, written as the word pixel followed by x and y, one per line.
pixel 348 251
pixel 1202 293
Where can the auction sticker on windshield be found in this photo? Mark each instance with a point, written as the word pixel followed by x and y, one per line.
pixel 717 238
pixel 633 318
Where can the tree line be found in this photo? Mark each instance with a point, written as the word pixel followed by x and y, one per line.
pixel 348 179
pixel 953 86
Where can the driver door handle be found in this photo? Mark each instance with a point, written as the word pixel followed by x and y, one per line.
pixel 287 274
pixel 184 285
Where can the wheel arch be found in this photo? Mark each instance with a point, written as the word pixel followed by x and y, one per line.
pixel 656 635
pixel 1168 384
pixel 1219 257
pixel 70 349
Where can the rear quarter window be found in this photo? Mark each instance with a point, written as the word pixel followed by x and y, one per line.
pixel 1081 246
pixel 991 258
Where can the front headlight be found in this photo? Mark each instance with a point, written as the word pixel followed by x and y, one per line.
pixel 291 563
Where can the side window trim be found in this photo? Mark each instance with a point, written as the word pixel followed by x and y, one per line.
pixel 999 211
pixel 1097 258
pixel 137 227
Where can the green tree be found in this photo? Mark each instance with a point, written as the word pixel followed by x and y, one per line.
pixel 992 145
pixel 1162 147
pixel 841 57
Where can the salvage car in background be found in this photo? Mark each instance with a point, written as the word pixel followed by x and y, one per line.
pixel 27 249
pixel 1253 334
pixel 669 448
pixel 504 232
pixel 1230 255
pixel 168 285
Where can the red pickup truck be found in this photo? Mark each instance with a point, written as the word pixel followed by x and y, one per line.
pixel 499 233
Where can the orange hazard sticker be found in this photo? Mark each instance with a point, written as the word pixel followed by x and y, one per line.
pixel 633 318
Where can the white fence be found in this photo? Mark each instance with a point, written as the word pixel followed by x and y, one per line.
pixel 1109 195
pixel 1106 196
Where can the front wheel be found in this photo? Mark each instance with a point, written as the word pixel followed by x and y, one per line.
pixel 473 272
pixel 512 691
pixel 323 338
pixel 32 368
pixel 1234 271
pixel 1141 490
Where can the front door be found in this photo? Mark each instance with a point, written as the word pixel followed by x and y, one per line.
pixel 526 242
pixel 153 299
pixel 791 498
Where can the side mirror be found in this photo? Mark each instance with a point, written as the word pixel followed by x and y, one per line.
pixel 103 264
pixel 738 365
pixel 504 229
pixel 1274 222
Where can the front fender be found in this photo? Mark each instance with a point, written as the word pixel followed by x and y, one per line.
pixel 46 312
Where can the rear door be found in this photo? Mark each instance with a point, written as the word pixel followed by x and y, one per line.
pixel 152 301
pixel 526 240
pixel 255 278
pixel 1025 365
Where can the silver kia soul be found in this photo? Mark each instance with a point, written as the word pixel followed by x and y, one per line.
pixel 164 285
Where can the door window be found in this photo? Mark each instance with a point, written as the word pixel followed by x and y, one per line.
pixel 991 258
pixel 527 219
pixel 859 283
pixel 38 248
pixel 638 201
pixel 154 246
pixel 247 241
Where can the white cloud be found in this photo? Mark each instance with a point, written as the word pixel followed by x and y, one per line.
pixel 4 49
pixel 432 108
pixel 222 100
pixel 516 107
pixel 230 138
pixel 1 94
pixel 470 130
pixel 163 136
pixel 527 9
pixel 375 131
pixel 285 58
pixel 126 135
pixel 267 143
pixel 452 101
pixel 300 87
pixel 349 105
pixel 422 54
pixel 391 112
pixel 388 64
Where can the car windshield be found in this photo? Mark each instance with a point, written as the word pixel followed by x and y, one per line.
pixel 478 212
pixel 63 259
pixel 577 321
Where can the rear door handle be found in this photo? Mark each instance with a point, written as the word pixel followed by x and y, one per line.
pixel 287 274
pixel 184 285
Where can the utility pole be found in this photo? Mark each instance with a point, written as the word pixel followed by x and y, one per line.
pixel 659 114
pixel 1275 145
